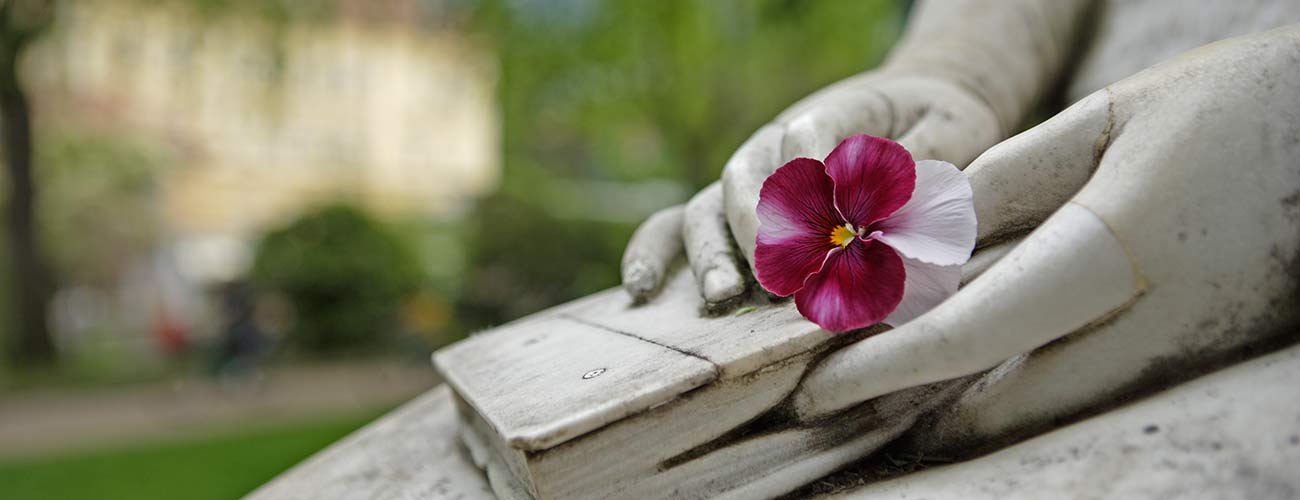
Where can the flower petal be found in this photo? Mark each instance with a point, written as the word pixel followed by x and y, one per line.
pixel 873 178
pixel 938 224
pixel 857 287
pixel 796 215
pixel 927 285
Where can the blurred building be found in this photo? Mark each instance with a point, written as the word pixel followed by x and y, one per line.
pixel 264 116
pixel 269 116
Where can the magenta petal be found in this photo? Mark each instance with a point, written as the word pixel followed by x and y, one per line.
pixel 873 178
pixel 796 215
pixel 856 287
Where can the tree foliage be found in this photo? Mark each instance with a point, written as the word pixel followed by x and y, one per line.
pixel 344 273
pixel 101 189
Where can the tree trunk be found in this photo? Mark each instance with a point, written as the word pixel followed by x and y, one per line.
pixel 28 272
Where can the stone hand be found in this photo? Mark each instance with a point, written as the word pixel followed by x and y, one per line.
pixel 959 80
pixel 1167 209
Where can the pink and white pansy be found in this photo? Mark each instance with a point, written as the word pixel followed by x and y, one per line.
pixel 868 236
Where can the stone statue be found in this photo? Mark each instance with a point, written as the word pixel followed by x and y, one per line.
pixel 1147 233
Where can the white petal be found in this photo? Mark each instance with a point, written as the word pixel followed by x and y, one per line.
pixel 938 224
pixel 926 286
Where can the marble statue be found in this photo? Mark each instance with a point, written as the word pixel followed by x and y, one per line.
pixel 1147 233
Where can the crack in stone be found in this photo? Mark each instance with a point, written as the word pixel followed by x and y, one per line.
pixel 717 370
pixel 1104 139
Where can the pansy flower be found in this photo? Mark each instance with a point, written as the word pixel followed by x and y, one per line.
pixel 868 236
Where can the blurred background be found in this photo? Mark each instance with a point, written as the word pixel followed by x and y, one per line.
pixel 234 230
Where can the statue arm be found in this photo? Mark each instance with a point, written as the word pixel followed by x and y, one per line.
pixel 1009 53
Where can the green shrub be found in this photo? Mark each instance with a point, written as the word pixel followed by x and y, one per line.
pixel 345 273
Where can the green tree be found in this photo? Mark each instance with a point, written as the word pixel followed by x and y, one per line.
pixel 84 176
pixel 344 273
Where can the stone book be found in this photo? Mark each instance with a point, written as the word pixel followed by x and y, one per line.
pixel 601 398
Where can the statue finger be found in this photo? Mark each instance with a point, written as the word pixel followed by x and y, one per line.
pixel 1070 272
pixel 956 136
pixel 651 250
pixel 1021 181
pixel 709 249
pixel 742 178
pixel 816 131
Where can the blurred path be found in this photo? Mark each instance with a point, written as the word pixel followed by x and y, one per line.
pixel 46 422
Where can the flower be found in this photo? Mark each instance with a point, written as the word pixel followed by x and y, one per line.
pixel 866 237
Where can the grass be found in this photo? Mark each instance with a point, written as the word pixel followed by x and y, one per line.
pixel 223 465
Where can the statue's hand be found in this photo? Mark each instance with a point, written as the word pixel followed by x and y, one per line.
pixel 932 117
pixel 1170 233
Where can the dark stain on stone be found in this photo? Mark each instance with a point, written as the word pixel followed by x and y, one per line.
pixel 1151 429
pixel 1107 132
pixel 888 413
pixel 776 418
pixel 1292 201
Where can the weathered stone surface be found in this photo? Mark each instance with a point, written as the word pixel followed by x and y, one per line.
pixel 601 398
pixel 412 453
pixel 541 382
pixel 1230 434
pixel 737 344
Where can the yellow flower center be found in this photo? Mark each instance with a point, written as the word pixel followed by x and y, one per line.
pixel 843 235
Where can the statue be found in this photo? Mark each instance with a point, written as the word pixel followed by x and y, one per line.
pixel 1148 233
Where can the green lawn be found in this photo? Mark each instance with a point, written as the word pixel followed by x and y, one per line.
pixel 220 466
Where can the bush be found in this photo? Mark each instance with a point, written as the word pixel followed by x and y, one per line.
pixel 345 273
pixel 523 260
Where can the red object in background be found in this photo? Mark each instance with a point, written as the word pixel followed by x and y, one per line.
pixel 170 334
